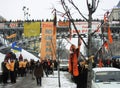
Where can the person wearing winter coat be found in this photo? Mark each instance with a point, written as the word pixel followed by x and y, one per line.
pixel 12 71
pixel 5 70
pixel 38 72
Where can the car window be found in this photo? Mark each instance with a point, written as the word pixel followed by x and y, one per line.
pixel 108 76
pixel 64 62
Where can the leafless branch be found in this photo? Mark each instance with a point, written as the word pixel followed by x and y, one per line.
pixel 66 9
pixel 71 1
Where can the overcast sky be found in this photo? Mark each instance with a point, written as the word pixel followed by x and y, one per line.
pixel 41 9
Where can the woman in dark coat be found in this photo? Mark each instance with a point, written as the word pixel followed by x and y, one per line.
pixel 38 72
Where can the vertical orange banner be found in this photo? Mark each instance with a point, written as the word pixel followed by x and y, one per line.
pixel 48 41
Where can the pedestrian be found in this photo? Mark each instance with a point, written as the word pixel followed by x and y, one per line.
pixel 83 70
pixel 16 68
pixel 12 71
pixel 73 64
pixel 100 63
pixel 5 70
pixel 32 66
pixel 38 72
pixel 55 64
pixel 25 67
pixel 45 66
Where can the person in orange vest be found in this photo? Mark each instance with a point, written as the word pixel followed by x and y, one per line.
pixel 12 71
pixel 74 59
pixel 25 62
pixel 73 64
pixel 21 68
pixel 100 63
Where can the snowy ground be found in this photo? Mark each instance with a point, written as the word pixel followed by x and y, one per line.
pixel 53 81
pixel 47 82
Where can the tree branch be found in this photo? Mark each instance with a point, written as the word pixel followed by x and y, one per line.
pixel 71 1
pixel 71 20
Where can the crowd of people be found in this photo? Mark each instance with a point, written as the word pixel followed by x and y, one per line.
pixel 79 68
pixel 13 67
pixel 109 63
pixel 81 78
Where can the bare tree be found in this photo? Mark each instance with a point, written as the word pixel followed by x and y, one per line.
pixel 91 9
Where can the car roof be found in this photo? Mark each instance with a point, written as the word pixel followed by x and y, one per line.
pixel 102 69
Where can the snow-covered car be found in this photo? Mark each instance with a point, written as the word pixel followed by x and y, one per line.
pixel 106 77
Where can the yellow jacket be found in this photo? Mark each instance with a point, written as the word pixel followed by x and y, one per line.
pixel 12 64
pixel 8 66
pixel 24 64
pixel 21 63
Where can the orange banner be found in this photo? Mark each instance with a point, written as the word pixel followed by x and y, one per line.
pixel 109 36
pixel 48 41
pixel 11 36
pixel 62 23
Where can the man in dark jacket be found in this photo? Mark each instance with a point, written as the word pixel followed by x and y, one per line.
pixel 5 70
pixel 38 72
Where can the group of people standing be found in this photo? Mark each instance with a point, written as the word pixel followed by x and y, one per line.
pixel 79 67
pixel 13 67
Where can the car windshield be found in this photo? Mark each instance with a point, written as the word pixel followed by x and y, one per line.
pixel 108 76
pixel 64 62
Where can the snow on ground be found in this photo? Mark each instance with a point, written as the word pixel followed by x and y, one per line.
pixel 52 81
pixel 47 82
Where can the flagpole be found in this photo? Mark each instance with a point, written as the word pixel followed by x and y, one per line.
pixel 54 25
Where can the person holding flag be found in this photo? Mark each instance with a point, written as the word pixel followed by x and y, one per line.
pixel 73 62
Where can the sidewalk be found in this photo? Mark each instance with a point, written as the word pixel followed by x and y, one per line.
pixel 47 82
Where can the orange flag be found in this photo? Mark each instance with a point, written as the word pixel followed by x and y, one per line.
pixel 70 65
pixel 106 45
pixel 11 36
pixel 109 35
pixel 75 65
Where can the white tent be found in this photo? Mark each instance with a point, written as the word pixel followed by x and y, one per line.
pixel 2 56
pixel 26 55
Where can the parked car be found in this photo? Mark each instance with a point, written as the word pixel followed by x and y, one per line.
pixel 106 77
pixel 64 64
pixel 116 57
